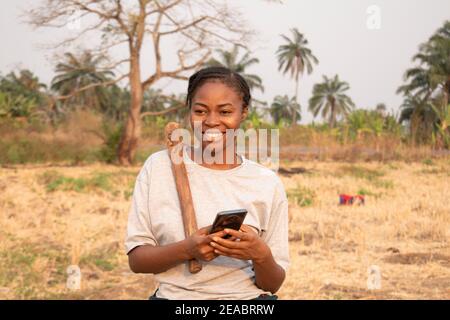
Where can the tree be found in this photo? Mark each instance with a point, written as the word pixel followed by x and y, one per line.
pixel 293 57
pixel 442 125
pixel 158 104
pixel 26 84
pixel 22 95
pixel 419 116
pixel 195 26
pixel 230 60
pixel 427 87
pixel 284 109
pixel 381 109
pixel 329 98
pixel 80 71
pixel 116 103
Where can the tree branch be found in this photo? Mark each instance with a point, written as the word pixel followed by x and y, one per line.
pixel 159 113
pixel 175 74
pixel 90 86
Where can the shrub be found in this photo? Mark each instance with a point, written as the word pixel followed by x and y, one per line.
pixel 302 196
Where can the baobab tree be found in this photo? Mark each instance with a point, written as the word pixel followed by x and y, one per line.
pixel 194 27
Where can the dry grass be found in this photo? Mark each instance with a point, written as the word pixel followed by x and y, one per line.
pixel 404 228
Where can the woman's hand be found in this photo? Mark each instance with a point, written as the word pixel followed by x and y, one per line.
pixel 198 244
pixel 249 246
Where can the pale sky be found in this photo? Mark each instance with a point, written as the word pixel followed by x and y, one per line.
pixel 371 61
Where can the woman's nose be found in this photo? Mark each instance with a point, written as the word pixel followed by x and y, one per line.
pixel 212 120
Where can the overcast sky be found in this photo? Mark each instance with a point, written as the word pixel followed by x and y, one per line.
pixel 372 61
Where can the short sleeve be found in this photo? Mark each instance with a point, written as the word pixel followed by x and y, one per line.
pixel 139 230
pixel 276 235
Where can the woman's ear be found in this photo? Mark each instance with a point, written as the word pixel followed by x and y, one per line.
pixel 244 113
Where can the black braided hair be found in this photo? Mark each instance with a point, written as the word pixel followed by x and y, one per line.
pixel 221 74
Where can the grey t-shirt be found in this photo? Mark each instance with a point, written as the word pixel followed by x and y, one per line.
pixel 155 219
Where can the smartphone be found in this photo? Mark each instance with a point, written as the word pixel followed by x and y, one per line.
pixel 230 219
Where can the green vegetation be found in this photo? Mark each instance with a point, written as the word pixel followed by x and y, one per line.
pixel 293 57
pixel 54 181
pixel 39 124
pixel 428 162
pixel 229 59
pixel 18 265
pixel 103 258
pixel 329 99
pixel 370 175
pixel 301 196
pixel 361 172
pixel 282 110
pixel 426 106
pixel 365 192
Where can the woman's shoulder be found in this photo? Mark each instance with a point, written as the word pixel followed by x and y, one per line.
pixel 156 162
pixel 158 157
pixel 260 171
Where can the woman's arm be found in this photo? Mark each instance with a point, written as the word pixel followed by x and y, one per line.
pixel 268 274
pixel 157 259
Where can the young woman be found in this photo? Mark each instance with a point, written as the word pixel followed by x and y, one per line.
pixel 252 263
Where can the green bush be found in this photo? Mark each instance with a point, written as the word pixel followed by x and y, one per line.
pixel 53 181
pixel 112 133
pixel 362 173
pixel 302 196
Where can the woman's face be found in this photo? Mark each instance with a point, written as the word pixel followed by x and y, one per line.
pixel 218 108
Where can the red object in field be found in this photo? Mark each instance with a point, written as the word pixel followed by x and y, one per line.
pixel 348 200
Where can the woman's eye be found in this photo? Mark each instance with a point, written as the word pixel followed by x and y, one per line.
pixel 225 112
pixel 199 112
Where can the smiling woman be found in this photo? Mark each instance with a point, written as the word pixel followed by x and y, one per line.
pixel 252 263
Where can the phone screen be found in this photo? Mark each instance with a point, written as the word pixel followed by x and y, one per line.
pixel 230 219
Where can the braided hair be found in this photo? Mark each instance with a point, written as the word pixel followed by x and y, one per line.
pixel 220 74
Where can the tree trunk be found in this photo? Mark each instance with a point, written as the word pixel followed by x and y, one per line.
pixel 131 132
pixel 294 116
pixel 333 114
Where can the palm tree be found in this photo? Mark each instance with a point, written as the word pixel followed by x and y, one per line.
pixel 329 98
pixel 23 94
pixel 28 80
pixel 442 125
pixel 420 117
pixel 230 60
pixel 427 87
pixel 284 108
pixel 25 84
pixel 293 57
pixel 79 71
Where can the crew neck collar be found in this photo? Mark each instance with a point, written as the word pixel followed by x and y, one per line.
pixel 189 161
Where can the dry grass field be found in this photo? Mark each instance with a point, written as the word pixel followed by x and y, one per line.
pixel 53 217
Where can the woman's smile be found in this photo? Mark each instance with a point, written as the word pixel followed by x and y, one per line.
pixel 211 135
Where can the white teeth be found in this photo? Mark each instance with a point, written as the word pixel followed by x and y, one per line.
pixel 212 136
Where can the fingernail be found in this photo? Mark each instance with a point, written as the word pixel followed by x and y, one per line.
pixel 212 243
pixel 216 239
pixel 227 230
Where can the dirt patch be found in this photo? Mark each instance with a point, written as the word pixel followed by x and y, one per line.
pixel 442 283
pixel 306 239
pixel 418 258
pixel 335 291
pixel 291 171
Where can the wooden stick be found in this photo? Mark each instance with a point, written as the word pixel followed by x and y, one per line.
pixel 175 149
